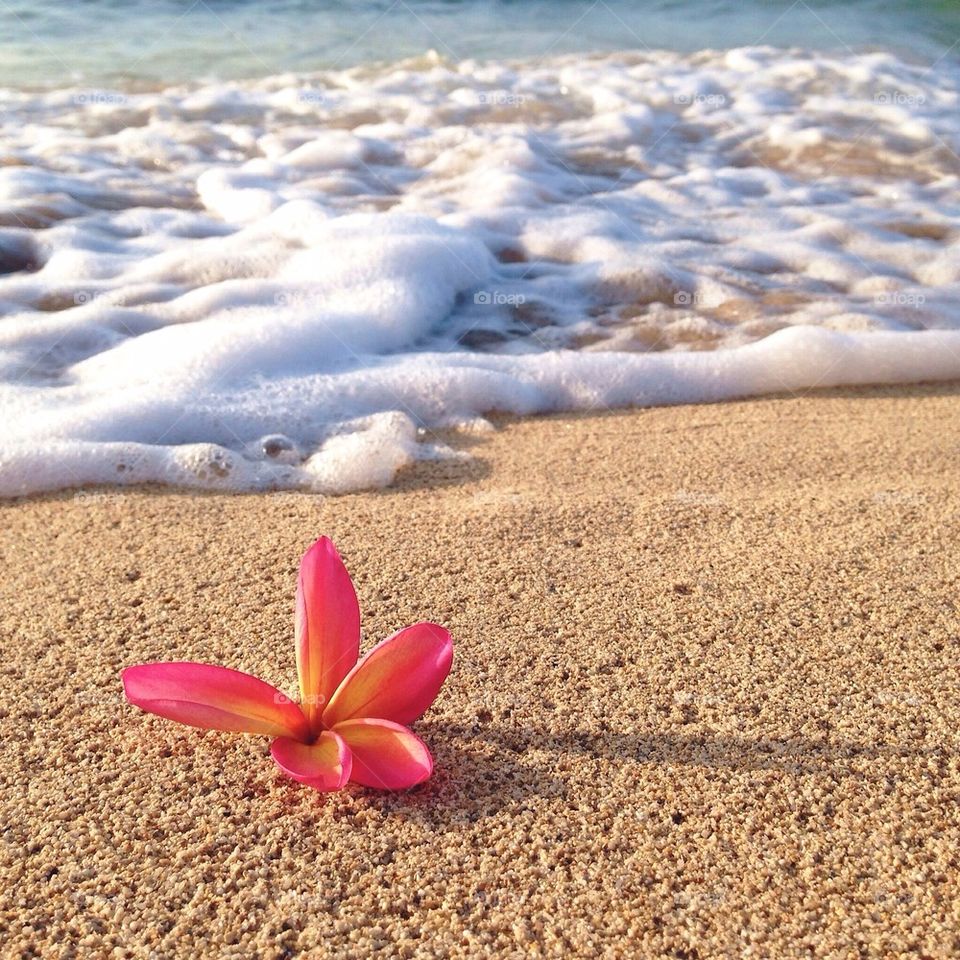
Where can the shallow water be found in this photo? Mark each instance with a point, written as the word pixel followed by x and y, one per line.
pixel 277 281
pixel 136 42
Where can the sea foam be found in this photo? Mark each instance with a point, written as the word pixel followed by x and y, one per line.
pixel 281 283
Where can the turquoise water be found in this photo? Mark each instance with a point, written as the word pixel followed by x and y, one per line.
pixel 52 43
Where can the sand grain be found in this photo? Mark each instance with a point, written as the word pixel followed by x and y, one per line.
pixel 705 701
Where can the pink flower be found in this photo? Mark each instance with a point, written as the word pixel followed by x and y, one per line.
pixel 351 722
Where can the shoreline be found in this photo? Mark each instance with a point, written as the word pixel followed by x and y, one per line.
pixel 704 697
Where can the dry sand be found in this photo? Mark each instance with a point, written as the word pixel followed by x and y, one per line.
pixel 705 701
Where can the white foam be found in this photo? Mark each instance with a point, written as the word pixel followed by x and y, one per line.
pixel 243 287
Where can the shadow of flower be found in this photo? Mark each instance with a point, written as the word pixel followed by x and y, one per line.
pixel 481 769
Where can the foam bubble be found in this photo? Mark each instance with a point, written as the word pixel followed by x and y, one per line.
pixel 239 286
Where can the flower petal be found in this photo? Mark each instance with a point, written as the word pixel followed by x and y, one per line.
pixel 386 756
pixel 214 698
pixel 323 765
pixel 327 627
pixel 397 680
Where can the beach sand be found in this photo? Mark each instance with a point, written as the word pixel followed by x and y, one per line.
pixel 705 700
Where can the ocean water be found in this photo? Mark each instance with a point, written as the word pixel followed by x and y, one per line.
pixel 49 43
pixel 268 246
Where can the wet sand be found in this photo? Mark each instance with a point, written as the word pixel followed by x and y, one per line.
pixel 705 700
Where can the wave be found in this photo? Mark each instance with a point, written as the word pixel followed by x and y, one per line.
pixel 280 283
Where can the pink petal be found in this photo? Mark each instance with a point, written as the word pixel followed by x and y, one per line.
pixel 327 627
pixel 323 765
pixel 386 756
pixel 214 698
pixel 397 680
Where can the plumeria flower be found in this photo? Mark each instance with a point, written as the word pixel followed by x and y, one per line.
pixel 351 721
